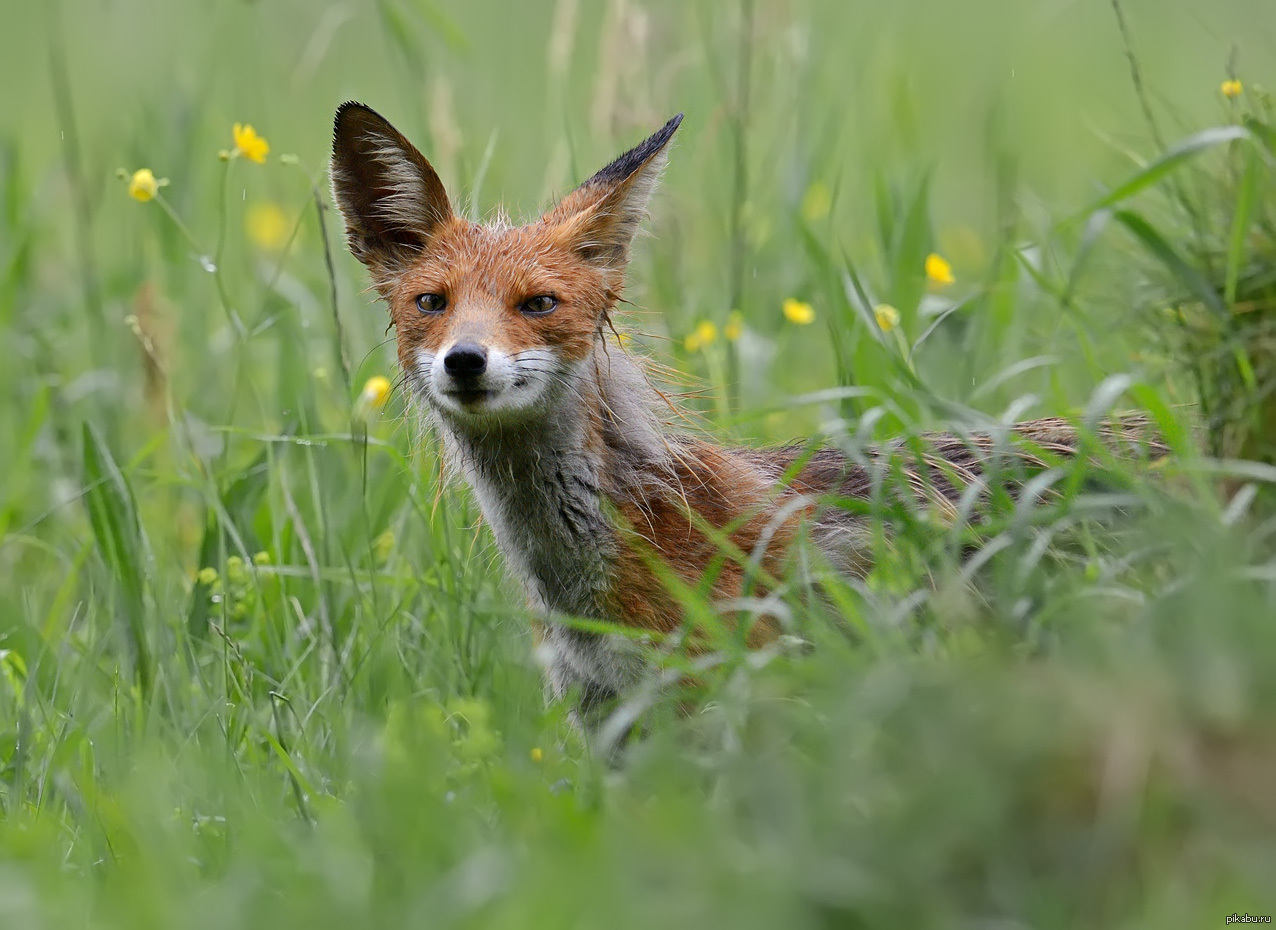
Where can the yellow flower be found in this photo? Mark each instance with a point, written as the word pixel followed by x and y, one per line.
pixel 143 185
pixel 798 311
pixel 938 269
pixel 207 576
pixel 704 334
pixel 735 326
pixel 816 202
pixel 887 317
pixel 536 754
pixel 267 225
pixel 249 144
pixel 1231 88
pixel 375 391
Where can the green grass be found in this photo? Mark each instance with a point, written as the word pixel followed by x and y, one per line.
pixel 258 668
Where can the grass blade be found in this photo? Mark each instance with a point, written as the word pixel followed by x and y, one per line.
pixel 1176 157
pixel 1190 277
pixel 1245 198
pixel 112 512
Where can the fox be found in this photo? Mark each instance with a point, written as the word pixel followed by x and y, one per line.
pixel 599 502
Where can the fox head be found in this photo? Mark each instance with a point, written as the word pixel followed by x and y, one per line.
pixel 492 321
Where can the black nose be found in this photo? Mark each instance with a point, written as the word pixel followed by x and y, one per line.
pixel 465 360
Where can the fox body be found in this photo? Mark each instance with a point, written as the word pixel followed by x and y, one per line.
pixel 503 332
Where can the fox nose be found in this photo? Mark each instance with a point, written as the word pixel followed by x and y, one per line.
pixel 465 360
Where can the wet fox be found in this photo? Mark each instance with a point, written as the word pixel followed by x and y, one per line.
pixel 504 333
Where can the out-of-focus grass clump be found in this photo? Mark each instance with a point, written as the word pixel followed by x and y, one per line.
pixel 258 665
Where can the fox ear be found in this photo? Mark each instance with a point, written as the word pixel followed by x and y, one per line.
pixel 390 197
pixel 601 217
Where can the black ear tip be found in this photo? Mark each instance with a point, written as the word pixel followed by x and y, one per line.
pixel 347 110
pixel 352 113
pixel 661 137
pixel 638 156
pixel 669 128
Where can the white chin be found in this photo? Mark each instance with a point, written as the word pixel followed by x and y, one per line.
pixel 510 403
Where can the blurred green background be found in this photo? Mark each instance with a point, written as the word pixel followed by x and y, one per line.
pixel 258 663
pixel 1030 102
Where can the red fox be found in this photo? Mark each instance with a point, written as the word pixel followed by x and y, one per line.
pixel 504 333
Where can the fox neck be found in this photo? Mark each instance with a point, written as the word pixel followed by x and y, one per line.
pixel 546 485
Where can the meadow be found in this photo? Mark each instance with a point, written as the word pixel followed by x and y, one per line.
pixel 260 665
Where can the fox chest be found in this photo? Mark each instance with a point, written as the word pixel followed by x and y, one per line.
pixel 554 536
pixel 558 542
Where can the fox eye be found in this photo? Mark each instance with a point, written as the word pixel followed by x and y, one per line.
pixel 431 303
pixel 539 306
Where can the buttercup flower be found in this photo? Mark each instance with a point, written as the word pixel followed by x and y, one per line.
pixel 143 185
pixel 537 754
pixel 703 335
pixel 798 311
pixel 1231 88
pixel 887 317
pixel 267 225
pixel 938 269
pixel 249 144
pixel 375 391
pixel 735 326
